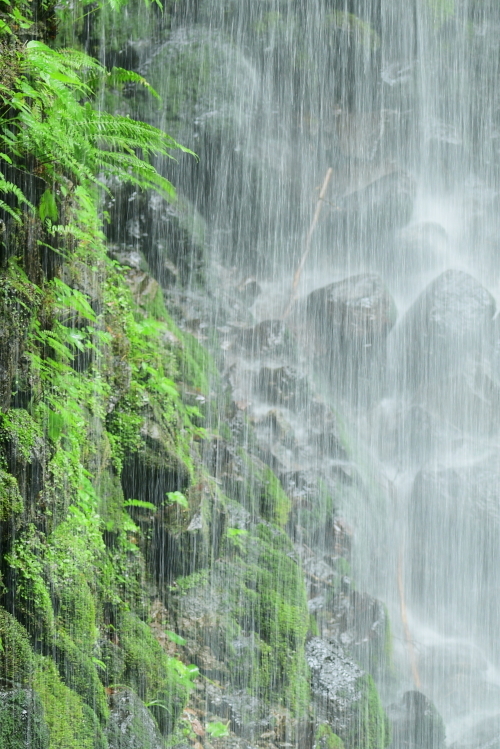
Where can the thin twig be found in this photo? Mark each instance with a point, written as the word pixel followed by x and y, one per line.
pixel 300 267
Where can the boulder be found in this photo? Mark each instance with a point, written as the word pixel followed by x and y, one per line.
pixel 131 725
pixel 451 322
pixel 283 386
pixel 269 337
pixel 380 206
pixel 350 320
pixel 416 724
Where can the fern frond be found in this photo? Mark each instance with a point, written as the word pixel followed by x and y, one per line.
pixel 15 213
pixel 120 75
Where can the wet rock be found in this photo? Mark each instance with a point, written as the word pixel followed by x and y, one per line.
pixel 324 432
pixel 416 724
pixel 249 290
pixel 155 468
pixel 334 679
pixel 382 205
pixel 252 483
pixel 147 233
pixel 130 259
pixel 451 320
pixel 351 320
pixel 363 628
pixel 247 714
pixel 131 725
pixel 144 287
pixel 269 337
pixel 284 386
pixel 344 696
pixel 22 723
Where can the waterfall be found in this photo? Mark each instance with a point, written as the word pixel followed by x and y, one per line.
pixel 399 101
pixel 249 467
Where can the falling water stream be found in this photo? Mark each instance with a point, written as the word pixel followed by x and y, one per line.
pixel 401 101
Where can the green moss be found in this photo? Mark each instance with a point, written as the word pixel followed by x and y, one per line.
pixel 260 490
pixel 325 738
pixel 22 722
pixel 161 681
pixel 72 724
pixel 189 582
pixel 78 672
pixel 11 502
pixel 18 427
pixel 261 591
pixel 16 655
pixel 75 552
pixel 32 594
pixel 369 726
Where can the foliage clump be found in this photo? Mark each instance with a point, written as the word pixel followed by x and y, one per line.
pixel 11 502
pixel 16 655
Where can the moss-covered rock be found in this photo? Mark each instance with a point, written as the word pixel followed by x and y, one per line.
pixel 162 681
pixel 78 672
pixel 251 611
pixel 16 655
pixel 325 738
pixel 131 725
pixel 11 502
pixel 18 302
pixel 345 697
pixel 22 721
pixel 252 483
pixel 72 723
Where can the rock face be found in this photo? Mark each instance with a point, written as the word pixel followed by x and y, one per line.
pixel 351 320
pixel 131 725
pixel 416 724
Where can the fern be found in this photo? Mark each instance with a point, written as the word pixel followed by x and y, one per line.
pixel 55 123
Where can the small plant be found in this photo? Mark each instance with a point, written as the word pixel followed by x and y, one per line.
pixel 218 729
pixel 140 503
pixel 174 637
pixel 177 498
pixel 235 532
pixel 236 535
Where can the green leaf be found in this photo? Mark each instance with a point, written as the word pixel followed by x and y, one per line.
pixel 177 498
pixel 173 637
pixel 217 729
pixel 55 424
pixel 140 503
pixel 47 207
pixel 235 532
